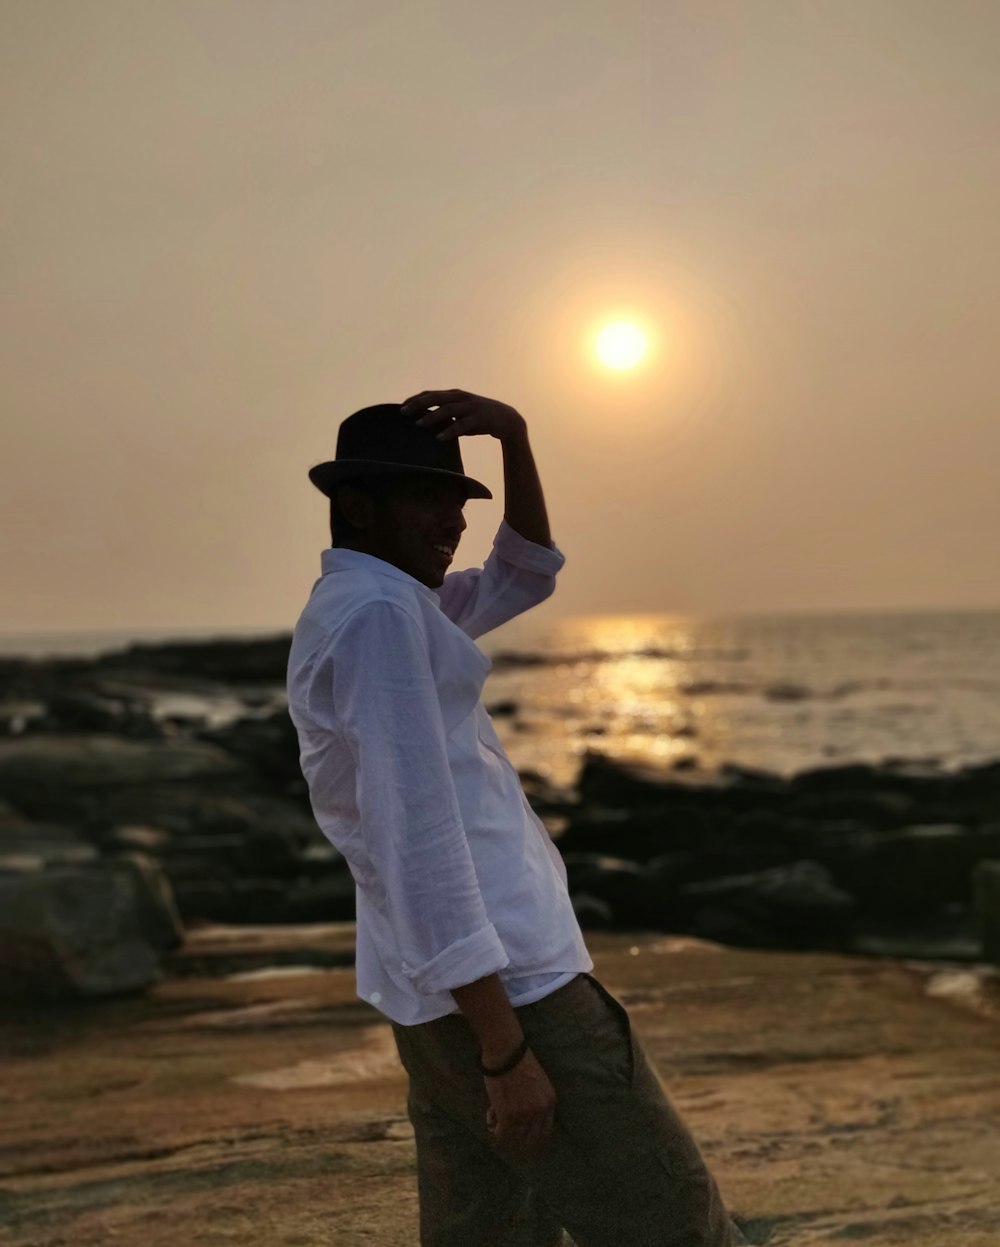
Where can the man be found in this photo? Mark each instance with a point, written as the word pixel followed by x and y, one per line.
pixel 533 1105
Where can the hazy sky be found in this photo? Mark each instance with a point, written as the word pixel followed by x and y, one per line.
pixel 227 224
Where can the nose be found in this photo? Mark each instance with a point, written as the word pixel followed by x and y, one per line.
pixel 457 520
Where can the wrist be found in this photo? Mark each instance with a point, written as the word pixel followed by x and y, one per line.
pixel 515 433
pixel 493 1070
pixel 500 1046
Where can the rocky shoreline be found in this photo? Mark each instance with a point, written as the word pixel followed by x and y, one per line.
pixel 185 820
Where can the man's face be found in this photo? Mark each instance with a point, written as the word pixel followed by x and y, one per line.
pixel 419 514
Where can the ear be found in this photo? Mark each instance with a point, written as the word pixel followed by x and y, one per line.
pixel 357 507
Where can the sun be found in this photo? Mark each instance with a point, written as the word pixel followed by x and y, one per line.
pixel 621 344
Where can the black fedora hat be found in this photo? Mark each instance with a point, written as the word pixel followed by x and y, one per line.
pixel 382 441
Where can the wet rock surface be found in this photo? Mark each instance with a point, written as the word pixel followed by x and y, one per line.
pixel 251 1098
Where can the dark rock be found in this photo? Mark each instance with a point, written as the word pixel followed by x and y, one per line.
pixel 913 873
pixel 184 812
pixel 19 716
pixel 269 745
pixel 85 712
pixel 158 916
pixel 331 899
pixel 217 850
pixel 855 776
pixel 608 782
pixel 986 887
pixel 591 912
pixel 256 901
pixel 82 932
pixel 45 775
pixel 11 818
pixel 626 888
pixel 750 775
pixel 27 846
pixel 670 871
pixel 638 835
pixel 271 851
pixel 543 795
pixel 880 810
pixel 228 659
pixel 502 709
pixel 797 905
pixel 203 899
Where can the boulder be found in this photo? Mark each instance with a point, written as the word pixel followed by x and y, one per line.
pixel 858 776
pixel 874 809
pixel 626 889
pixel 185 810
pixel 788 906
pixel 641 788
pixel 914 872
pixel 328 899
pixel 973 794
pixel 47 775
pixel 85 711
pixel 158 916
pixel 606 781
pixel 638 834
pixel 83 932
pixel 203 900
pixel 269 745
pixel 228 659
pixel 591 912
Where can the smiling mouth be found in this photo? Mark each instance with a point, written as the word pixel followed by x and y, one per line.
pixel 444 551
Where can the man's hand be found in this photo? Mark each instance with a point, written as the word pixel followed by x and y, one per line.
pixel 522 1108
pixel 465 413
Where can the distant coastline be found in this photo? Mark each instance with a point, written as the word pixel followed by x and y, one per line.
pixel 90 642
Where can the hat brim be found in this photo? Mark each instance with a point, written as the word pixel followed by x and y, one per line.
pixel 327 476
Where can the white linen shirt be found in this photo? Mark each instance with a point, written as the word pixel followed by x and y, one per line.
pixel 456 876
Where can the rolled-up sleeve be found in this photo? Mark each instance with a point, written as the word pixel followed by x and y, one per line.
pixel 388 710
pixel 517 575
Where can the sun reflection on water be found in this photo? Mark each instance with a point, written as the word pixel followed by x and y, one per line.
pixel 617 690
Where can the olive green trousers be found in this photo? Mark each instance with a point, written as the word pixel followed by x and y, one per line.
pixel 621 1168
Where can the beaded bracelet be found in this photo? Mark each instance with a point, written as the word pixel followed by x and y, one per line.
pixel 509 1064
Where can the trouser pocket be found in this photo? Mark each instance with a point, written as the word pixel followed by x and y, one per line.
pixel 611 1029
pixel 653 1131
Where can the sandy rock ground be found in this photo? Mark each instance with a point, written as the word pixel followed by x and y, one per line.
pixel 838 1100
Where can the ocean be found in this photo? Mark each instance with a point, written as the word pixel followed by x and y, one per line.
pixel 776 692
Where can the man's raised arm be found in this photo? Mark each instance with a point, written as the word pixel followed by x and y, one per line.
pixel 520 571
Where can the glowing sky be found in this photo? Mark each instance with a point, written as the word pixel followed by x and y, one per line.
pixel 227 225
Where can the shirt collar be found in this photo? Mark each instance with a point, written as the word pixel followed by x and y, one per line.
pixel 340 559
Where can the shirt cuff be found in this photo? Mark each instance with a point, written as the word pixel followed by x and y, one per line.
pixel 463 962
pixel 529 555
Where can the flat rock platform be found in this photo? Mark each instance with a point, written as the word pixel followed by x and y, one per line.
pixel 251 1098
